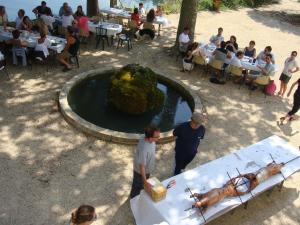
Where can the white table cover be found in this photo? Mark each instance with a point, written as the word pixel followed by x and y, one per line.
pixel 32 38
pixel 112 29
pixel 213 175
pixel 122 13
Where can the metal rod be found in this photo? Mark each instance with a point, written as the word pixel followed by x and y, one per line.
pixel 245 182
pixel 291 160
pixel 235 188
pixel 196 200
pixel 276 163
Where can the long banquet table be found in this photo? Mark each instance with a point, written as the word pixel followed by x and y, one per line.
pixel 172 210
pixel 57 43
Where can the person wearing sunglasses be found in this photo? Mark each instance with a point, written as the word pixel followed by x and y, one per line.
pixel 290 67
pixel 84 215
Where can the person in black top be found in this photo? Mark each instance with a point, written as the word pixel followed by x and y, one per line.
pixel 188 137
pixel 150 16
pixel 231 45
pixel 42 9
pixel 296 104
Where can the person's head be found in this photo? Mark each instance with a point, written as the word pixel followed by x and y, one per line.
pixel 220 31
pixel 158 8
pixel 141 5
pixel 186 30
pixel 268 49
pixel 294 54
pixel 65 5
pixel 268 58
pixel 84 214
pixel 196 120
pixel 223 44
pixel 21 13
pixel 42 34
pixel 67 12
pixel 151 15
pixel 43 4
pixel 239 54
pixel 152 133
pixel 251 44
pixel 15 34
pixel 2 10
pixel 232 39
pixel 79 8
pixel 135 10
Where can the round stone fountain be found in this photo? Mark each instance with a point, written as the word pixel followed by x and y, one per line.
pixel 83 103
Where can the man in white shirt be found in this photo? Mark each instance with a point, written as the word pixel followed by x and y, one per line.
pixel 236 60
pixel 290 67
pixel 19 19
pixel 217 39
pixel 262 55
pixel 142 11
pixel 49 20
pixel 184 40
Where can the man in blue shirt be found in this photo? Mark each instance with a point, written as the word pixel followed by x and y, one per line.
pixel 188 137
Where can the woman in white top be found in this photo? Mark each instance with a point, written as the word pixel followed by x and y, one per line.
pixel 19 19
pixel 3 17
pixel 67 20
pixel 184 40
pixel 41 49
pixel 290 67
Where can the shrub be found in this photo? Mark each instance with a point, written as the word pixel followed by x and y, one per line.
pixel 133 90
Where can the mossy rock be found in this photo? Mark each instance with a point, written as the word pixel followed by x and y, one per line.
pixel 133 90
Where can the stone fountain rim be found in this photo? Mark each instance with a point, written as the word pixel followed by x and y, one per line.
pixel 107 134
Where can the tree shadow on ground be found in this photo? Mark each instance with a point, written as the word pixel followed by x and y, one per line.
pixel 48 168
pixel 268 17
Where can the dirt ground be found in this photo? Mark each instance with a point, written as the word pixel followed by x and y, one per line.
pixel 48 168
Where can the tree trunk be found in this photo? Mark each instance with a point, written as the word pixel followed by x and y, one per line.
pixel 188 17
pixel 113 3
pixel 92 7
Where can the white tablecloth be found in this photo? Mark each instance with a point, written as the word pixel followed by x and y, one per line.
pixel 32 38
pixel 213 175
pixel 122 13
pixel 112 29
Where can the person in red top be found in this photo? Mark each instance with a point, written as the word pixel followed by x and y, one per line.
pixel 136 17
pixel 82 22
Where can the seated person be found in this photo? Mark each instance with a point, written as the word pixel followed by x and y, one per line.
pixel 237 186
pixel 188 58
pixel 250 51
pixel 262 55
pixel 184 40
pixel 40 26
pixel 16 41
pixel 141 10
pixel 150 16
pixel 42 9
pixel 27 24
pixel 82 23
pixel 70 49
pixel 236 60
pixel 217 39
pixel 136 17
pixel 231 45
pixel 41 49
pixel 67 20
pixel 266 72
pixel 3 17
pixel 158 11
pixel 221 52
pixel 19 19
pixel 48 20
pixel 64 7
